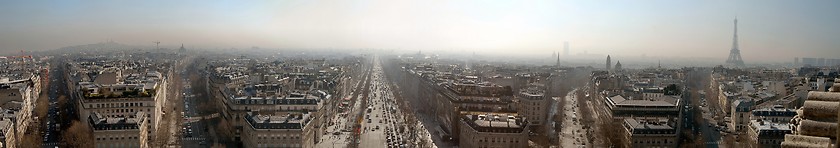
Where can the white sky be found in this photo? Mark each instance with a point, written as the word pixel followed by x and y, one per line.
pixel 769 30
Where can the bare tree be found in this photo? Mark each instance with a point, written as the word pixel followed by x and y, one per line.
pixel 77 135
pixel 32 138
pixel 224 129
pixel 609 131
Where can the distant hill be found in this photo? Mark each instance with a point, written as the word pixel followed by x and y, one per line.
pixel 104 46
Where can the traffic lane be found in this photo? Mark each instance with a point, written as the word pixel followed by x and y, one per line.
pixel 393 136
pixel 712 136
pixel 194 130
pixel 372 135
pixel 377 120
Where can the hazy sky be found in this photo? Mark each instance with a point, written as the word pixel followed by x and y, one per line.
pixel 768 30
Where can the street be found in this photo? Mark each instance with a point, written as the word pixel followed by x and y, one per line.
pixel 572 133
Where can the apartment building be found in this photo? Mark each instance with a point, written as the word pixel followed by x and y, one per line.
pixel 289 130
pixel 650 132
pixel 493 130
pixel 128 132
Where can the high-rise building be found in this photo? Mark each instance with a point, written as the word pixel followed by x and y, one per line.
pixel 618 66
pixel 820 62
pixel 609 64
pixel 809 61
pixel 182 49
pixel 735 53
pixel 554 54
pixel 566 48
pixel 832 62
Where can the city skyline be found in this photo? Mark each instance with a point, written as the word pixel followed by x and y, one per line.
pixel 655 28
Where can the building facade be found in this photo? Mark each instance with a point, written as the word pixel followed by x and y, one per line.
pixel 290 130
pixel 740 114
pixel 768 134
pixel 490 130
pixel 650 132
pixel 533 106
pixel 122 132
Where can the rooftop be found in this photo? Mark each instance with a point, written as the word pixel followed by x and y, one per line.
pixel 291 120
pixel 649 123
pixel 532 93
pixel 100 122
pixel 494 122
pixel 660 101
pixel 774 111
pixel 770 126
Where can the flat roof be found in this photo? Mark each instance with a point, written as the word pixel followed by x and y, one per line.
pixel 642 124
pixel 490 121
pixel 770 126
pixel 661 101
pixel 287 121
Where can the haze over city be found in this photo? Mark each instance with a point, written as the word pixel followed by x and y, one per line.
pixel 419 74
pixel 770 31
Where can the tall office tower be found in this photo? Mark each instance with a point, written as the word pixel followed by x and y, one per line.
pixel 565 48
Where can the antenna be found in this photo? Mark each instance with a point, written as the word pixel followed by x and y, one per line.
pixel 157 44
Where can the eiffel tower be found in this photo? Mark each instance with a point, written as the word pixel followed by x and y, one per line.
pixel 735 54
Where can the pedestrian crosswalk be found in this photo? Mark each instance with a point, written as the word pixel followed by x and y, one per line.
pixel 50 144
pixel 193 139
